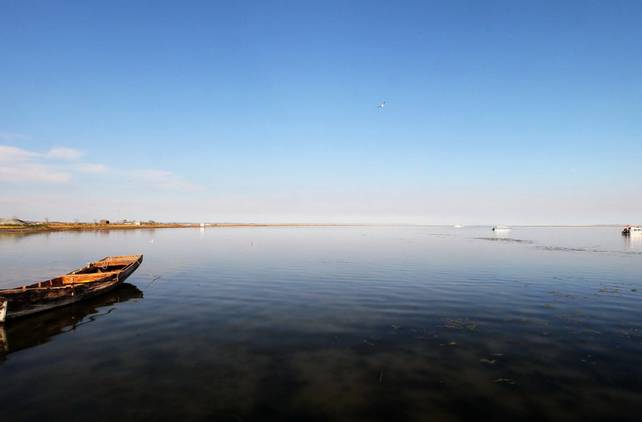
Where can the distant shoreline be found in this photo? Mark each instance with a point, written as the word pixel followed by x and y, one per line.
pixel 56 227
pixel 62 226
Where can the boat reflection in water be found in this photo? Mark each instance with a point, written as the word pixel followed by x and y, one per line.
pixel 632 242
pixel 40 328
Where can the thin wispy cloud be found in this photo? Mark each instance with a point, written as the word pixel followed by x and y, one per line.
pixel 18 165
pixel 60 164
pixel 13 154
pixel 62 153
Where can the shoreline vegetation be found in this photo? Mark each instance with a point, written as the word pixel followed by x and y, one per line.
pixel 65 226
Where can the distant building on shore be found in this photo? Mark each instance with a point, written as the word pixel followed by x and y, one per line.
pixel 103 222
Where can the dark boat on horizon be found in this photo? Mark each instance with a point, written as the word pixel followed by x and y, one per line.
pixel 631 230
pixel 94 279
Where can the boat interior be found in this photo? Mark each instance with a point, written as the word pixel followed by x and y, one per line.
pixel 106 265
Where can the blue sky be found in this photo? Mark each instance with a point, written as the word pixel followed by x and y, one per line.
pixel 265 111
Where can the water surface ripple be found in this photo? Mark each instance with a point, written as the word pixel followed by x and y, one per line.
pixel 340 323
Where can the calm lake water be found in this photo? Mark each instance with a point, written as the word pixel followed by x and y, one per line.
pixel 353 324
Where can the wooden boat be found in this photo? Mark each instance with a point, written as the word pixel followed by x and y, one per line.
pixel 89 281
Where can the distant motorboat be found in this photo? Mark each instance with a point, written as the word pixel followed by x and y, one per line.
pixel 632 231
pixel 458 226
pixel 501 228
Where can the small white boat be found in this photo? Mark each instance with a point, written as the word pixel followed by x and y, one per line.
pixel 632 231
pixel 500 228
pixel 458 226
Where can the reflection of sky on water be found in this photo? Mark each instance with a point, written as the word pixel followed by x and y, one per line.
pixel 342 323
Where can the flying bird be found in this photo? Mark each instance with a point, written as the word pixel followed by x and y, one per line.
pixel 381 105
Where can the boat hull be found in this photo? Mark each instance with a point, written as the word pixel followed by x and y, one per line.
pixel 17 303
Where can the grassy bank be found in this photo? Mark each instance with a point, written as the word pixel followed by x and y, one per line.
pixel 52 227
